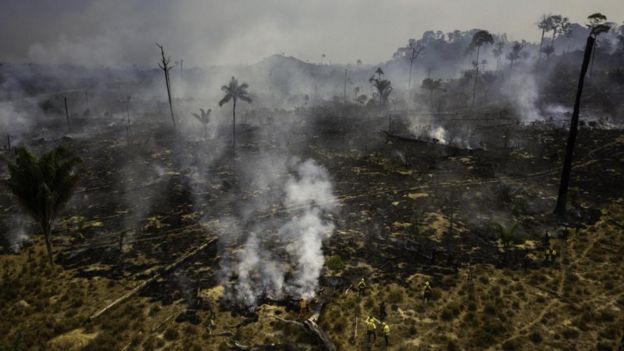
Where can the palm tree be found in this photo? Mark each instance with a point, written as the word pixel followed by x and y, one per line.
pixel 479 39
pixel 597 26
pixel 233 91
pixel 204 119
pixel 506 234
pixel 43 185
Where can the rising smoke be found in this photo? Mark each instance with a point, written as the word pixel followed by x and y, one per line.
pixel 283 256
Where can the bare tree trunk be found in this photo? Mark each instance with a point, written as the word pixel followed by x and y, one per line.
pixel 345 86
pixel 593 58
pixel 234 129
pixel 539 54
pixel 66 113
pixel 560 209
pixel 474 88
pixel 169 96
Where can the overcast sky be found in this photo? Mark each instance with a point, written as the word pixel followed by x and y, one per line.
pixel 121 32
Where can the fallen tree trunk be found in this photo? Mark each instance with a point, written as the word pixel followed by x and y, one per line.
pixel 310 326
pixel 162 272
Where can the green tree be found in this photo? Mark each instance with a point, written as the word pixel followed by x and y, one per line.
pixel 43 186
pixel 234 91
pixel 507 235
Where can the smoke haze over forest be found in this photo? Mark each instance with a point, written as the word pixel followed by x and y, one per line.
pixel 204 33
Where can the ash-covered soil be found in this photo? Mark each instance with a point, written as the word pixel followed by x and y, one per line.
pixel 407 212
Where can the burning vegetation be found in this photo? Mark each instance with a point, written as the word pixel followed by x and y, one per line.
pixel 464 195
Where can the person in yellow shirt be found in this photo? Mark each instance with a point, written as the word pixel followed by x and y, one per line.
pixel 427 291
pixel 361 286
pixel 386 332
pixel 371 327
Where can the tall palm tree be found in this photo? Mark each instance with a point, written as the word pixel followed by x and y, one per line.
pixel 204 119
pixel 234 91
pixel 43 185
pixel 545 24
pixel 479 39
pixel 597 26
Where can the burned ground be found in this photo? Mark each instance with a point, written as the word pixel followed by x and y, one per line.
pixel 408 211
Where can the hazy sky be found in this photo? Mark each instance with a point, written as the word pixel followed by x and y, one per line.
pixel 120 32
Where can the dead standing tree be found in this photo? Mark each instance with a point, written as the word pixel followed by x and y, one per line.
pixel 597 27
pixel 164 65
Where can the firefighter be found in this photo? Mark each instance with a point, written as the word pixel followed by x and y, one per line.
pixel 386 332
pixel 426 293
pixel 371 327
pixel 361 286
pixel 551 255
pixel 303 308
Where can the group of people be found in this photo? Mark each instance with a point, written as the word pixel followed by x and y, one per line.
pixel 371 329
pixel 372 323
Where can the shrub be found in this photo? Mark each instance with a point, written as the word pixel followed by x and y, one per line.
pixel 335 263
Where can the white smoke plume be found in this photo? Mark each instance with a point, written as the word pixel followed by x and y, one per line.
pixel 285 258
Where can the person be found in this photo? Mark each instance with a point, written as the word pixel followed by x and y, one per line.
pixel 361 286
pixel 551 254
pixel 386 332
pixel 371 327
pixel 546 239
pixel 303 308
pixel 427 292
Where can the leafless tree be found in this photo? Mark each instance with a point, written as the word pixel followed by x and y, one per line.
pixel 165 67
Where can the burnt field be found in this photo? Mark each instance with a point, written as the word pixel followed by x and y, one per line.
pixel 406 210
pixel 279 175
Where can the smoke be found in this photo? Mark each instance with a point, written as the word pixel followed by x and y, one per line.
pixel 13 121
pixel 283 256
pixel 522 91
pixel 16 231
